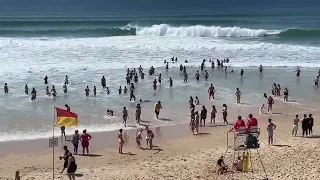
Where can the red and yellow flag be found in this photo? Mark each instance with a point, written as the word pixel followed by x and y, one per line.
pixel 66 118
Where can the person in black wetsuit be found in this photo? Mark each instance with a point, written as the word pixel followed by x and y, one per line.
pixel 45 80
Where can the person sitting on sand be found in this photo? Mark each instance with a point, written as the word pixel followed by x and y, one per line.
pixel 238 166
pixel 222 168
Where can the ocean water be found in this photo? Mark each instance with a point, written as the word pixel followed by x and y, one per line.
pixel 86 40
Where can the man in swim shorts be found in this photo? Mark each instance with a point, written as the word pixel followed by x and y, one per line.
pixel 238 94
pixel 211 91
pixel 270 128
pixel 295 125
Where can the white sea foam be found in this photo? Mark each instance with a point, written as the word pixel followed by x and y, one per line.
pixel 202 31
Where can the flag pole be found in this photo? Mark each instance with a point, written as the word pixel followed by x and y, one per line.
pixel 54 116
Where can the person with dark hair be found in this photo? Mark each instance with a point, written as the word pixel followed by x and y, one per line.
pixel 121 141
pixel 75 141
pixel 305 125
pixel 68 107
pixel 65 158
pixel 85 138
pixel 225 113
pixel 72 167
pixel 310 124
pixel 203 115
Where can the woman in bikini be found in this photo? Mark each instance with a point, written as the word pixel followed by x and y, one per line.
pixel 225 113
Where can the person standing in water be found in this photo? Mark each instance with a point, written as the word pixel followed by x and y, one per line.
pixel 167 66
pixel 26 89
pixel 260 68
pixel 66 80
pixel 211 91
pixel 53 91
pixel 206 76
pixel 48 91
pixel 45 80
pixel 285 94
pixel 125 116
pixel 5 88
pixel 270 128
pixel 33 94
pixel 197 76
pixel 68 107
pixel 238 94
pixel 103 82
pixel 295 125
pixel 108 91
pixel 132 96
pixel 160 78
pixel 138 113
pixel 120 90
pixel 212 64
pixel 63 133
pixel 125 90
pixel 170 82
pixel 155 84
pixel 87 90
pixel 241 72
pixel 65 88
pixel 157 108
pixel 270 104
pixel 185 77
pixel 298 71
pixel 94 91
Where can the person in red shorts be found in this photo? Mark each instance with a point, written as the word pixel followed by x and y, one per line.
pixel 252 122
pixel 85 138
pixel 239 123
pixel 211 92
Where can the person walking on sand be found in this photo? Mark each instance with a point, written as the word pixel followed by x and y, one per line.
pixel 225 113
pixel 85 138
pixel 157 108
pixel 295 125
pixel 138 139
pixel 125 116
pixel 238 94
pixel 72 167
pixel 121 141
pixel 213 115
pixel 65 158
pixel 270 128
pixel 75 141
pixel 33 94
pixel 17 176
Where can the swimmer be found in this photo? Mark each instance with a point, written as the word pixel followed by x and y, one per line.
pixel 241 72
pixel 167 66
pixel 87 90
pixel 109 112
pixel 238 94
pixel 225 69
pixel 68 107
pixel 160 78
pixel 94 91
pixel 5 88
pixel 45 80
pixel 135 78
pixel 212 64
pixel 142 75
pixel 66 80
pixel 127 79
pixel 132 96
pixel 316 82
pixel 108 91
pixel 157 108
pixel 125 116
pixel 26 89
pixel 265 96
pixel 48 91
pixel 185 77
pixel 138 113
pixel 181 67
pixel 143 101
pixel 125 90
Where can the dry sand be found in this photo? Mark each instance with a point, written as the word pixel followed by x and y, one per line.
pixel 179 155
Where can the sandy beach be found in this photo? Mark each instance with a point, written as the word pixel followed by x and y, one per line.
pixel 177 154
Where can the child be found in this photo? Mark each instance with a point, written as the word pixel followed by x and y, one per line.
pixel 17 177
pixel 138 139
pixel 197 101
pixel 197 122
